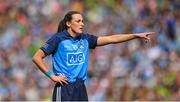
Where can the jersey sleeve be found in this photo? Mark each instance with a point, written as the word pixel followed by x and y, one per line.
pixel 50 46
pixel 92 40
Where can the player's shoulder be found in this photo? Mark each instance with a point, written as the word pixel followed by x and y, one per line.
pixel 57 35
pixel 88 35
pixel 60 34
pixel 85 34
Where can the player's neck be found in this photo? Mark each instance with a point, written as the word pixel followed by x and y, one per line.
pixel 73 34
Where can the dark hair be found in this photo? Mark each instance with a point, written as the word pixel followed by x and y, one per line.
pixel 68 17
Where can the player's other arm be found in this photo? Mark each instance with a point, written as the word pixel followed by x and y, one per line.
pixel 38 60
pixel 118 38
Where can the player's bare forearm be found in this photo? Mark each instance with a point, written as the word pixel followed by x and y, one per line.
pixel 118 38
pixel 38 60
pixel 113 39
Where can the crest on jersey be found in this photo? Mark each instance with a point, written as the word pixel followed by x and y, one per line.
pixel 81 46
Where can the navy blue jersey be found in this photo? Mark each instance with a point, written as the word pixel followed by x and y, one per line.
pixel 69 54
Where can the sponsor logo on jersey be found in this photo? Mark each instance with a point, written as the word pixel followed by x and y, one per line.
pixel 75 58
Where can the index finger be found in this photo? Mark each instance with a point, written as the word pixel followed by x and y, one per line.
pixel 65 81
pixel 150 33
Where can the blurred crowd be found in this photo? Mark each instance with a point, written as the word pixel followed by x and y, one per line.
pixel 134 70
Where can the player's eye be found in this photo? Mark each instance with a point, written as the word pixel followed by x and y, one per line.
pixel 78 21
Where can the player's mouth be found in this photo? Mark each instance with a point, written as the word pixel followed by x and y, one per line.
pixel 81 29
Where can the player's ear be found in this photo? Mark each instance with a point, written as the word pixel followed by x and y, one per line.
pixel 68 24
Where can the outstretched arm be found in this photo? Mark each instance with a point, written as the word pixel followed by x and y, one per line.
pixel 118 38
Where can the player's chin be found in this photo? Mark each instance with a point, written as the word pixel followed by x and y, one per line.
pixel 79 31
